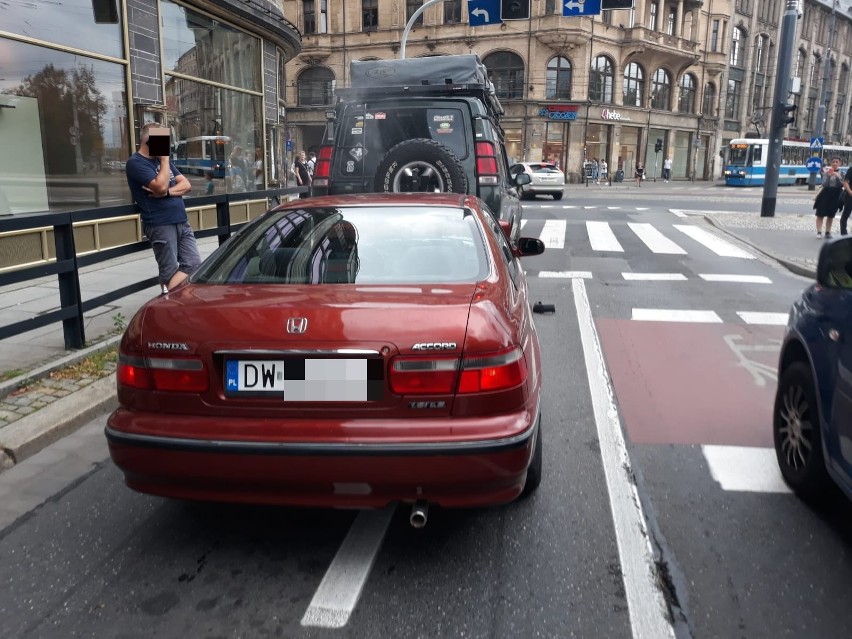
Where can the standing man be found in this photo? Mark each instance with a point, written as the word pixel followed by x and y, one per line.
pixel 604 171
pixel 158 189
pixel 312 162
pixel 667 169
pixel 847 200
pixel 303 176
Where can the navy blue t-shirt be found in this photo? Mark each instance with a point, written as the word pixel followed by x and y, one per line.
pixel 157 211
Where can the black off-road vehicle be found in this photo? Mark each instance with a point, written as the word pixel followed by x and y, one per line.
pixel 420 125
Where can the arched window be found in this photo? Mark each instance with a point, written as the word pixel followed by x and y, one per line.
pixel 558 79
pixel 601 80
pixel 800 64
pixel 843 82
pixel 686 102
pixel 316 87
pixel 634 85
pixel 506 70
pixel 816 63
pixel 661 90
pixel 737 58
pixel 708 108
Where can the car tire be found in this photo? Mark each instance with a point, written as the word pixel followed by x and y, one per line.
pixel 557 196
pixel 525 195
pixel 796 432
pixel 536 465
pixel 420 166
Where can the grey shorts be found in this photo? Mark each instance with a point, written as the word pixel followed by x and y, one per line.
pixel 174 248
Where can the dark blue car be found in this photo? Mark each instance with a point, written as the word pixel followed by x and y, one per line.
pixel 812 419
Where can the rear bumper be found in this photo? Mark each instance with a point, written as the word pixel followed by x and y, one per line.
pixel 328 474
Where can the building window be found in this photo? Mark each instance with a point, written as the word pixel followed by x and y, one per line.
pixel 686 102
pixel 843 81
pixel 452 12
pixel 816 62
pixel 732 100
pixel 661 90
pixel 652 16
pixel 708 108
pixel 558 79
pixel 316 87
pixel 550 7
pixel 800 63
pixel 736 59
pixel 811 112
pixel 743 6
pixel 714 36
pixel 310 16
pixel 506 70
pixel 369 15
pixel 670 23
pixel 634 85
pixel 411 6
pixel 601 80
pixel 758 53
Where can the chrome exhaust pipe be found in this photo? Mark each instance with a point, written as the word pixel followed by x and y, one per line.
pixel 419 514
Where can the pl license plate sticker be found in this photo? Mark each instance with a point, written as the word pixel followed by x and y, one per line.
pixel 307 380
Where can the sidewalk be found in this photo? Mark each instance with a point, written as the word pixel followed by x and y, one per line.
pixel 41 399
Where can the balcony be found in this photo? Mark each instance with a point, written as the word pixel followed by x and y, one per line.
pixel 657 48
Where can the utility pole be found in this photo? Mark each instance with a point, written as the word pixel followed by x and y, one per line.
pixel 826 80
pixel 782 113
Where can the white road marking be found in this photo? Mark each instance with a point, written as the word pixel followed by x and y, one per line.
pixel 745 279
pixel 743 469
pixel 586 275
pixel 716 244
pixel 641 208
pixel 654 276
pixel 523 223
pixel 764 319
pixel 547 206
pixel 341 586
pixel 678 212
pixel 645 603
pixel 570 206
pixel 553 234
pixel 613 208
pixel 602 238
pixel 654 240
pixel 590 207
pixel 674 315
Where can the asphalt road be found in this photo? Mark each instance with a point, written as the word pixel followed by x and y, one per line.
pixel 656 439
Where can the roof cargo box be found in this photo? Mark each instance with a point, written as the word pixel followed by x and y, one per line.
pixel 433 70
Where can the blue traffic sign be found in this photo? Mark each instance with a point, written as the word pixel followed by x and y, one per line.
pixel 817 144
pixel 289 146
pixel 581 7
pixel 814 165
pixel 482 12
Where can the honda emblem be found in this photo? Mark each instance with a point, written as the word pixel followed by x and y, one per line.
pixel 297 325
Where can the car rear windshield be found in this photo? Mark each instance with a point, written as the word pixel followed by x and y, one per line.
pixel 353 245
pixel 544 168
pixel 366 139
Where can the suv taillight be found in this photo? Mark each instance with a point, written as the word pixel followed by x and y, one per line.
pixel 322 170
pixel 486 164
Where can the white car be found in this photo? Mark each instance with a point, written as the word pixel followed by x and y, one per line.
pixel 547 179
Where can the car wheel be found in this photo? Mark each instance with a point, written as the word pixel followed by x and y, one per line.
pixel 557 196
pixel 420 166
pixel 534 471
pixel 796 431
pixel 524 195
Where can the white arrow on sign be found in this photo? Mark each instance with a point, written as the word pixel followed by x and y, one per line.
pixel 481 12
pixel 575 4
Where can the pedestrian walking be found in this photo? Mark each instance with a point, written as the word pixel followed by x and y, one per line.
pixel 847 200
pixel 312 162
pixel 303 176
pixel 158 189
pixel 604 169
pixel 667 169
pixel 237 171
pixel 595 169
pixel 827 200
pixel 639 174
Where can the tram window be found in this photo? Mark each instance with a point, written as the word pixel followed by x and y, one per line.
pixel 756 154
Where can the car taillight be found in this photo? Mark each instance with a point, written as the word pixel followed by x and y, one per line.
pixel 153 373
pixel 493 371
pixel 486 164
pixel 423 376
pixel 322 170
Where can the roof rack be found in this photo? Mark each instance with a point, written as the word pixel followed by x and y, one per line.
pixel 475 90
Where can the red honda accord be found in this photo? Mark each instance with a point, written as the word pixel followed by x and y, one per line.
pixel 346 351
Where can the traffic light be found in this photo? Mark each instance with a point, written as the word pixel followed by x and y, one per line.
pixel 658 146
pixel 788 114
pixel 609 5
pixel 515 9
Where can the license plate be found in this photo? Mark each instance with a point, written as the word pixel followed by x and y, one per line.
pixel 307 379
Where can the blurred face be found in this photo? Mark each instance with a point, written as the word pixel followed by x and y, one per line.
pixel 835 163
pixel 302 156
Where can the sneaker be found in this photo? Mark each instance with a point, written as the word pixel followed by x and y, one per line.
pixel 827 235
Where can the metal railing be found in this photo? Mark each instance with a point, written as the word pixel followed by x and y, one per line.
pixel 66 267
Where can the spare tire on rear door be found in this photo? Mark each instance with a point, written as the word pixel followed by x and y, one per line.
pixel 419 166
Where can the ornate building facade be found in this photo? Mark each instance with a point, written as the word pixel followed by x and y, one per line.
pixel 691 73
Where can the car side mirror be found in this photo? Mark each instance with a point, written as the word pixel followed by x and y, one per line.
pixel 522 178
pixel 527 246
pixel 834 267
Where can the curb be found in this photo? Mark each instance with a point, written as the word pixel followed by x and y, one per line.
pixel 28 435
pixel 793 267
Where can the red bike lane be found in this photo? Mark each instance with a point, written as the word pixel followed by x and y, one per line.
pixel 690 383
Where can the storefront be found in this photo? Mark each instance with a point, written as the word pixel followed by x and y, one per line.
pixel 79 80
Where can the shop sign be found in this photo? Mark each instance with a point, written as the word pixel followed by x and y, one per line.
pixel 559 111
pixel 610 114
